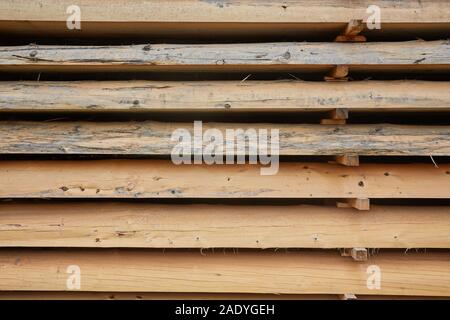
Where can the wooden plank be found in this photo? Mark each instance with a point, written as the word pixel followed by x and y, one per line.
pixel 163 179
pixel 161 18
pixel 282 56
pixel 77 295
pixel 80 295
pixel 431 11
pixel 155 138
pixel 74 295
pixel 128 225
pixel 291 273
pixel 225 96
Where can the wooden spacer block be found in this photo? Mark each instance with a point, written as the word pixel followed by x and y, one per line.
pixel 333 121
pixel 354 27
pixel 362 204
pixel 358 38
pixel 336 116
pixel 358 254
pixel 338 73
pixel 350 160
pixel 352 32
pixel 347 296
pixel 339 113
pixel 346 252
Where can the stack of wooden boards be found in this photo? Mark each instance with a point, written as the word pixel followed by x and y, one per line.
pixel 86 175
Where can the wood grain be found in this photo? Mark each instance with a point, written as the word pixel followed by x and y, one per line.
pixel 163 179
pixel 212 19
pixel 230 11
pixel 246 272
pixel 128 225
pixel 83 295
pixel 155 138
pixel 282 56
pixel 222 96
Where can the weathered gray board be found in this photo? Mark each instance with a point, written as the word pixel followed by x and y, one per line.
pixel 155 138
pixel 222 96
pixel 239 57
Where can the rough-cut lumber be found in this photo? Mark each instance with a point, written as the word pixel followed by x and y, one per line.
pixel 154 138
pixel 163 179
pixel 180 18
pixel 227 96
pixel 295 272
pixel 83 295
pixel 80 295
pixel 216 226
pixel 239 57
pixel 430 11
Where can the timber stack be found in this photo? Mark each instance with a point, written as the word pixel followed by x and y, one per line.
pixel 358 206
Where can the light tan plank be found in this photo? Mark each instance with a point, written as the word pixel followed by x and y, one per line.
pixel 218 226
pixel 231 11
pixel 225 96
pixel 246 272
pixel 76 295
pixel 162 179
pixel 195 18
